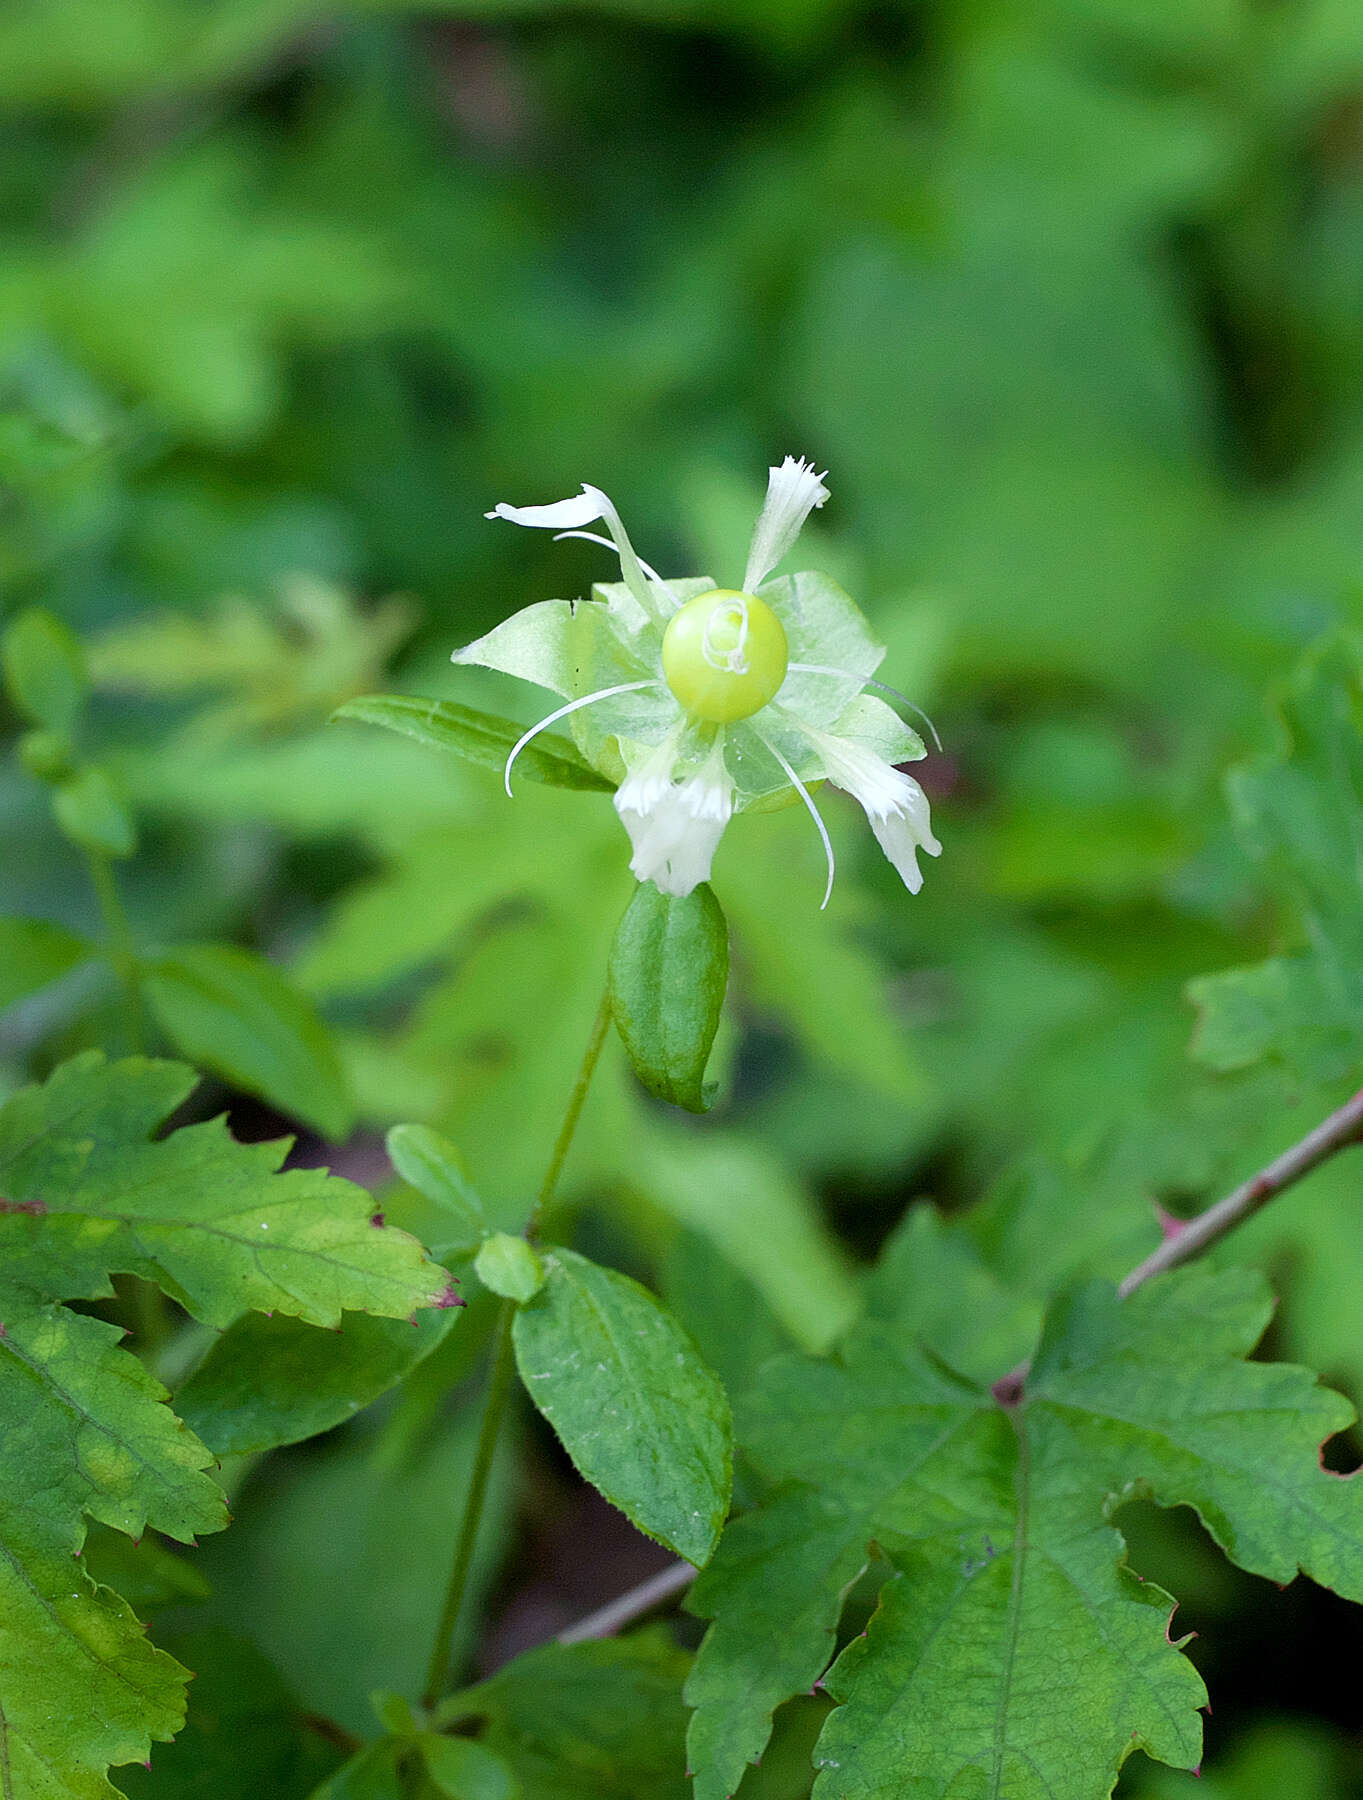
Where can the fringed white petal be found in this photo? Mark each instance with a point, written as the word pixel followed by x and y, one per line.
pixel 675 826
pixel 793 491
pixel 584 509
pixel 893 802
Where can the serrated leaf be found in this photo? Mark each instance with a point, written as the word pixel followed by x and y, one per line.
pixel 669 966
pixel 1299 811
pixel 594 1721
pixel 45 670
pixel 82 1193
pixel 1009 1585
pixel 34 952
pixel 478 737
pixel 272 1381
pixel 636 1409
pixel 235 1013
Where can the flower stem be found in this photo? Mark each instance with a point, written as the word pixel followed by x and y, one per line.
pixel 590 1057
pixel 499 1382
pixel 499 1375
pixel 119 942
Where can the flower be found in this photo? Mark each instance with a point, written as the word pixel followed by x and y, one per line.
pixel 700 701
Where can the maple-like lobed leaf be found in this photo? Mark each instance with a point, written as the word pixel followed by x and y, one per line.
pixel 1012 1651
pixel 84 1192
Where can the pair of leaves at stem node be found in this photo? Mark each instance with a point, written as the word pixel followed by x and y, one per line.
pixel 1012 1651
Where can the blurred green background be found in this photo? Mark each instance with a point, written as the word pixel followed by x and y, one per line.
pixel 1068 297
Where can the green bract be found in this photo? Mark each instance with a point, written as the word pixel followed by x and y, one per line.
pixel 700 714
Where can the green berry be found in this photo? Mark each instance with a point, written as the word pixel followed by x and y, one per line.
pixel 724 655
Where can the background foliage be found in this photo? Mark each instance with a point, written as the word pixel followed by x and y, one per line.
pixel 1066 294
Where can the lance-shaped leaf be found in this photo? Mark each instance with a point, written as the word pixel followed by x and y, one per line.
pixel 1010 1586
pixel 641 1415
pixel 83 1193
pixel 478 737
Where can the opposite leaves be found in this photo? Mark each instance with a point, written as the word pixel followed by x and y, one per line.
pixel 83 1192
pixel 1012 1651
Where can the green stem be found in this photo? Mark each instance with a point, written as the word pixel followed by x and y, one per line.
pixel 590 1057
pixel 122 952
pixel 503 1363
pixel 499 1383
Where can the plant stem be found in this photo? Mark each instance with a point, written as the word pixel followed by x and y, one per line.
pixel 608 1619
pixel 499 1382
pixel 500 1371
pixel 590 1057
pixel 1341 1128
pixel 122 952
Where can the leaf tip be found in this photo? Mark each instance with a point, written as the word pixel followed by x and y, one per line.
pixel 447 1298
pixel 376 1220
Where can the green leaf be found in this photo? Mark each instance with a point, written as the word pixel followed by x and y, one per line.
pixel 92 813
pixel 232 1011
pixel 466 1770
pixel 85 1193
pixel 430 1163
pixel 372 1774
pixel 509 1267
pixel 34 952
pixel 1008 1583
pixel 478 737
pixel 1299 811
pixel 245 1738
pixel 669 966
pixel 640 1414
pixel 45 670
pixel 595 1721
pixel 272 1381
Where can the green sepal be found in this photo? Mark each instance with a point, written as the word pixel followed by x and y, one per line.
pixel 478 737
pixel 669 966
pixel 394 1713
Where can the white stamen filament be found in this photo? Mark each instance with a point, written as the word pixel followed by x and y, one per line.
pixel 593 537
pixel 733 613
pixel 561 712
pixel 814 814
pixel 866 681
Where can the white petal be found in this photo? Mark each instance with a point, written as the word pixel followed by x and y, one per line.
pixel 793 491
pixel 562 515
pixel 895 805
pixel 674 826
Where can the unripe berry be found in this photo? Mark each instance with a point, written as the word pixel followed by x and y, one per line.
pixel 724 655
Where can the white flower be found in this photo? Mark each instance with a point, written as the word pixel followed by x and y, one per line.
pixel 699 701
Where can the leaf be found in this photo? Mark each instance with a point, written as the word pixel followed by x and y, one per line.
pixel 91 812
pixel 594 1721
pixel 510 1267
pixel 466 1770
pixel 478 737
pixel 371 1774
pixel 430 1163
pixel 272 1381
pixel 245 1736
pixel 233 1012
pixel 669 966
pixel 1300 812
pixel 45 670
pixel 34 952
pixel 1008 1585
pixel 634 1406
pixel 84 1192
